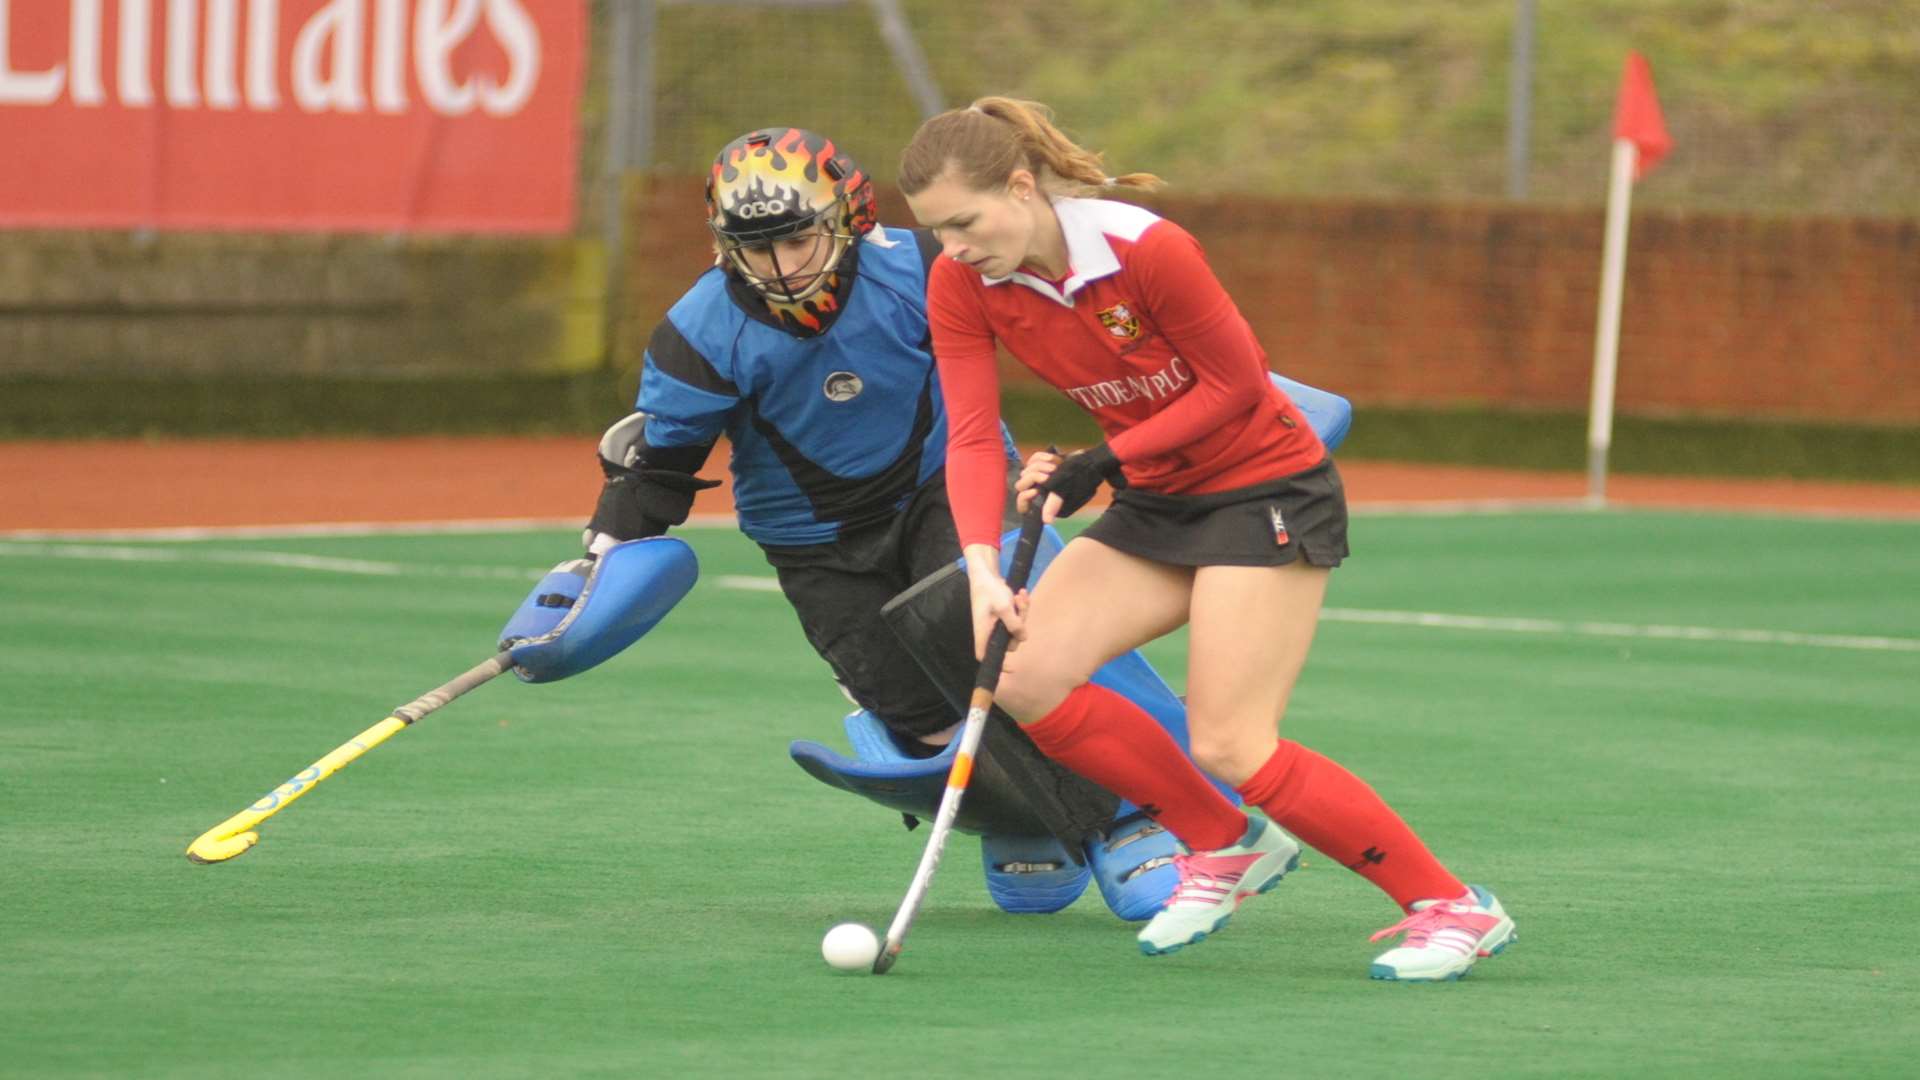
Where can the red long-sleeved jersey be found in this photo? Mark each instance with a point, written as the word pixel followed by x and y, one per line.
pixel 1142 336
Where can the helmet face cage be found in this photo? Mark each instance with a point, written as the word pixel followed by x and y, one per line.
pixel 777 183
pixel 773 284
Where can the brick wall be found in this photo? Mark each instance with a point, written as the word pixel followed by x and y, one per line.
pixel 1397 304
pixel 1392 304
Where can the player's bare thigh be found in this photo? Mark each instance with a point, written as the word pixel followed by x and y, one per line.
pixel 1251 628
pixel 1093 604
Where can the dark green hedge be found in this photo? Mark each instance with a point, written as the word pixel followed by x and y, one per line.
pixel 187 407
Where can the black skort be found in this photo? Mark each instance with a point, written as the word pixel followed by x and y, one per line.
pixel 1303 516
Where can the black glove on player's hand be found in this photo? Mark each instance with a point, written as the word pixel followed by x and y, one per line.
pixel 1079 475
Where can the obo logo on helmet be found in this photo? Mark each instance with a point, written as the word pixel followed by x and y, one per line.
pixel 760 208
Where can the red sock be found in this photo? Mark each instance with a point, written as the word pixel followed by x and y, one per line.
pixel 1114 743
pixel 1337 814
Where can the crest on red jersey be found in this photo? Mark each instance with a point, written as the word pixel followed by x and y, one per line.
pixel 1120 321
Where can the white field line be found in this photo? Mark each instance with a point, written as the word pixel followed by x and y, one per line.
pixel 1469 507
pixel 283 559
pixel 752 583
pixel 192 533
pixel 1544 504
pixel 1587 628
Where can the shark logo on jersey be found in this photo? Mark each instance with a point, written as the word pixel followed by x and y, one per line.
pixel 843 386
pixel 1120 321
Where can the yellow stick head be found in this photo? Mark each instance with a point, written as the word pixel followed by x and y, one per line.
pixel 213 847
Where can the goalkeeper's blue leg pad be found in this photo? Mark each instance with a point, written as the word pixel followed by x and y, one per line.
pixel 878 769
pixel 1133 865
pixel 1327 413
pixel 1003 798
pixel 1132 859
pixel 1031 875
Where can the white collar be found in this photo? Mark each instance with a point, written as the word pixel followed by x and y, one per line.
pixel 1089 256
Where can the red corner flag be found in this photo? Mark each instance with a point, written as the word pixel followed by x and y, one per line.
pixel 1636 116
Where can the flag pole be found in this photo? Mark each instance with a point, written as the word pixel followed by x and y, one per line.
pixel 1640 140
pixel 1606 339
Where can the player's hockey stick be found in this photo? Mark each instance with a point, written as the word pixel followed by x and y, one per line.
pixel 962 770
pixel 237 834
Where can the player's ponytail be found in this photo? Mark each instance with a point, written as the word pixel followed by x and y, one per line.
pixel 986 141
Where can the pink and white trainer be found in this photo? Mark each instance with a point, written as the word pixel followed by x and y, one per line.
pixel 1444 938
pixel 1213 884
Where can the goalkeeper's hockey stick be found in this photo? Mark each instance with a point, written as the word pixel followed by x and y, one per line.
pixel 236 835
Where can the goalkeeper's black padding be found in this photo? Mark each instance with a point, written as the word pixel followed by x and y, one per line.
pixel 619 513
pixel 648 489
pixel 934 619
pixel 636 503
pixel 1009 770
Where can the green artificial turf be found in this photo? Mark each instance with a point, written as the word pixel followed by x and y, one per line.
pixel 1706 843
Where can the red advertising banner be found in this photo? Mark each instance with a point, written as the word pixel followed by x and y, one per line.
pixel 378 115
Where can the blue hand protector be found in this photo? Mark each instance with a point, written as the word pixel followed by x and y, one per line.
pixel 550 601
pixel 584 611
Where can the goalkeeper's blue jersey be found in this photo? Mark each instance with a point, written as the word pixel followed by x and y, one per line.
pixel 828 432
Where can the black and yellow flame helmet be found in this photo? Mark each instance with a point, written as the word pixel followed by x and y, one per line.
pixel 773 183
